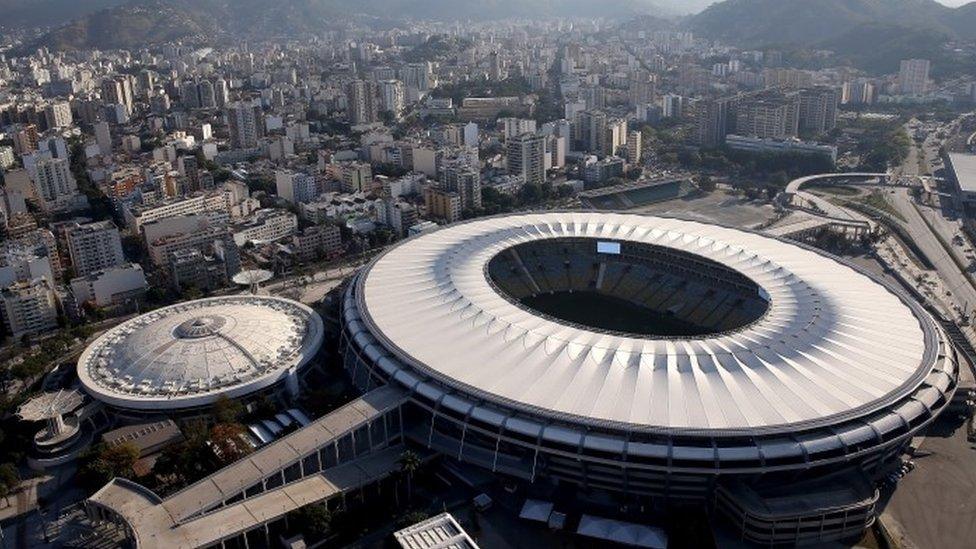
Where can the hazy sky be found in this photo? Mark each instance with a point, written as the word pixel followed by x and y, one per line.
pixel 954 2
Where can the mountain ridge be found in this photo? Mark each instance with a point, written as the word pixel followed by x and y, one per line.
pixel 756 23
pixel 253 18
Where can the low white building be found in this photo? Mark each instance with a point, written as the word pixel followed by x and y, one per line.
pixel 110 286
pixel 777 146
pixel 268 225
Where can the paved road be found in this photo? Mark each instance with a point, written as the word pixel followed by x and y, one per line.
pixel 962 289
pixel 935 503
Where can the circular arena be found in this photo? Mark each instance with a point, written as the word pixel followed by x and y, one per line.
pixel 645 355
pixel 186 356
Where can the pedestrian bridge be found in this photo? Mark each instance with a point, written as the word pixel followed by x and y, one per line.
pixel 344 451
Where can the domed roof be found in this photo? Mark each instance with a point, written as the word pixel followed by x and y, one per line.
pixel 188 354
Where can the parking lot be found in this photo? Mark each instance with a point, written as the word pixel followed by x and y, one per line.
pixel 721 206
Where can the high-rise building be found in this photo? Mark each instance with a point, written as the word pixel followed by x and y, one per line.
pixel 93 247
pixel 58 115
pixel 442 203
pixel 296 187
pixel 418 76
pixel 594 96
pixel 146 81
pixel 526 157
pixel 634 144
pixel 55 185
pixel 589 128
pixel 642 90
pixel 514 127
pixel 672 106
pixel 190 95
pixel 494 66
pixel 712 120
pixel 246 124
pixel 818 109
pixel 463 178
pixel 25 138
pixel 206 93
pixel 29 307
pixel 471 135
pixel 615 136
pixel 103 136
pixel 362 107
pixel 221 93
pixel 768 115
pixel 392 97
pixel 118 91
pixel 913 78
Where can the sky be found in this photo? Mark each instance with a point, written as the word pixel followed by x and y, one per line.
pixel 953 2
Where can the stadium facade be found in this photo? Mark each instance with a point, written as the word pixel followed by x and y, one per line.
pixel 768 381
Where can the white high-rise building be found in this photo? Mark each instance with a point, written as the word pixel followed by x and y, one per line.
pixel 514 127
pixel 417 76
pixel 471 137
pixel 672 106
pixel 221 92
pixel 58 115
pixel 392 97
pixel 526 157
pixel 913 78
pixel 296 187
pixel 55 186
pixel 29 307
pixel 103 136
pixel 94 247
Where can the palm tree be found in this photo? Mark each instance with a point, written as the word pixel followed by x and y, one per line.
pixel 409 463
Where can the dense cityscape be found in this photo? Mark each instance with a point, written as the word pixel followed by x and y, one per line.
pixel 593 275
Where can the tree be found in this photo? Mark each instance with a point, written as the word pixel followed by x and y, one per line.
pixel 229 442
pixel 409 463
pixel 190 460
pixel 227 410
pixel 9 479
pixel 706 184
pixel 103 463
pixel 313 520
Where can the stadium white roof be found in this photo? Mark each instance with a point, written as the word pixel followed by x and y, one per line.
pixel 834 343
pixel 188 354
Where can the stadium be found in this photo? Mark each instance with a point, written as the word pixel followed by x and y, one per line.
pixel 182 358
pixel 654 359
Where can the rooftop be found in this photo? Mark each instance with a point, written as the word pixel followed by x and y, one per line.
pixel 963 165
pixel 188 354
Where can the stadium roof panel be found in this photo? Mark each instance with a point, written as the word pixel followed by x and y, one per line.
pixel 834 343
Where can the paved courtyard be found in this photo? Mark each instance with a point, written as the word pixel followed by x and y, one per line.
pixel 721 206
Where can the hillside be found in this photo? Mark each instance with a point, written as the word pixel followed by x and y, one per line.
pixel 870 34
pixel 129 27
pixel 755 23
pixel 34 13
pixel 145 22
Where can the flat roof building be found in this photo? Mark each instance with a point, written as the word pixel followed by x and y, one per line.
pixel 960 169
